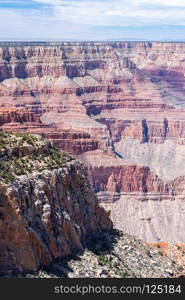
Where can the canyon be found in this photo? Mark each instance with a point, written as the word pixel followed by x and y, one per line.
pixel 118 107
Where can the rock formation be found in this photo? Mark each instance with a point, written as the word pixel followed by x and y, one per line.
pixel 117 106
pixel 47 206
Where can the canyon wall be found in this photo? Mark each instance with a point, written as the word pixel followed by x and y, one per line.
pixel 117 106
pixel 47 206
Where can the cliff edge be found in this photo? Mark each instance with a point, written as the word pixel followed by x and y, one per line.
pixel 47 207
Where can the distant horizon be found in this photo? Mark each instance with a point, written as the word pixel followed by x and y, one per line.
pixel 89 41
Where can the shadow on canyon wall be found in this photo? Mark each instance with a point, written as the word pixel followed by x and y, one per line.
pixel 98 244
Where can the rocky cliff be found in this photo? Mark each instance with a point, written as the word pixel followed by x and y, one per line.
pixel 47 206
pixel 117 106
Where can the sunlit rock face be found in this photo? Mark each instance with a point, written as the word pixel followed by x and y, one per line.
pixel 120 108
pixel 47 206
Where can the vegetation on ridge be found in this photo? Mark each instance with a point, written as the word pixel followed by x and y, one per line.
pixel 23 153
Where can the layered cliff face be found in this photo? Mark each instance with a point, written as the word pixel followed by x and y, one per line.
pixel 47 206
pixel 119 107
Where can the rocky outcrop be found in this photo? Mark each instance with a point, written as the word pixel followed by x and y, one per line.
pixel 47 206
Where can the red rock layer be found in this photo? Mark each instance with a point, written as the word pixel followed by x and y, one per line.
pixel 147 131
pixel 134 179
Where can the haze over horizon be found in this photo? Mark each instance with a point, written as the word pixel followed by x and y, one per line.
pixel 92 20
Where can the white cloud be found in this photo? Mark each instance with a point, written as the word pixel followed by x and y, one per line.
pixel 33 25
pixel 116 13
pixel 52 2
pixel 176 3
pixel 76 19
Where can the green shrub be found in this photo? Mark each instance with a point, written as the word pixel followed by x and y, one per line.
pixel 43 156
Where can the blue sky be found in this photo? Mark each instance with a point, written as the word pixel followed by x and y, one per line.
pixel 92 19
